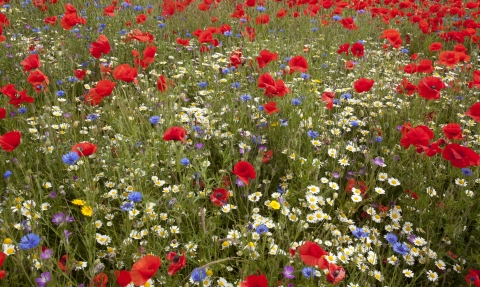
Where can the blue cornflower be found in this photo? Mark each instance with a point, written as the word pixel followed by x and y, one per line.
pixel 137 8
pixel 305 76
pixel 359 233
pixel 197 129
pixel 312 134
pixel 378 139
pixel 198 274
pixel 296 101
pixel 227 33
pixel 401 248
pixel 354 123
pixel 161 25
pixel 92 117
pixel 29 241
pixel 126 206
pixel 135 196
pixel 22 110
pixel 314 29
pixel 404 50
pixel 225 71
pixel 346 96
pixel 336 18
pixel 308 272
pixel 7 174
pixel 185 161
pixel 391 238
pixel 70 158
pixel 260 108
pixel 261 9
pixel 262 228
pixel 202 84
pixel 245 97
pixel 467 172
pixel 235 85
pixel 283 122
pixel 154 120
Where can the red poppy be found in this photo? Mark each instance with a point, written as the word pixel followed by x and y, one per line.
pixel 144 269
pixel 16 97
pixel 109 11
pixel 236 58
pixel 3 113
pixel 31 62
pixel 267 156
pixel 80 74
pixel 460 156
pixel 2 259
pixel 282 13
pixel 255 281
pixel 123 278
pixel 219 196
pixel 343 49
pixel 437 46
pixel 313 255
pixel 125 73
pixel 10 140
pixel 429 88
pixel 358 50
pixel 178 262
pixel 266 57
pixel 358 185
pixel 327 97
pixel 102 89
pixel 207 37
pixel 418 136
pixel 270 108
pixel 38 80
pixel 175 134
pixel 298 63
pixel 183 42
pixel 410 68
pixel 140 36
pixel 363 85
pixel 244 170
pixel 476 80
pixel 425 66
pixel 141 19
pixel 349 23
pixel 407 87
pixel 99 47
pixel 100 280
pixel 84 149
pixel 62 263
pixel 473 277
pixel 336 273
pixel 432 148
pixel 474 112
pixel 272 88
pixel 393 36
pixel 449 58
pixel 452 131
pixel 262 19
pixel 162 83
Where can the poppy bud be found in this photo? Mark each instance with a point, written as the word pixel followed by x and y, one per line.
pixel 287 70
pixel 48 109
pixel 47 142
pixel 335 195
pixel 75 124
pixel 182 96
pixel 27 180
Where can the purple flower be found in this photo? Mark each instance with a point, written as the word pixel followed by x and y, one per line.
pixel 378 161
pixel 45 277
pixel 67 234
pixel 288 272
pixel 58 218
pixel 46 254
pixel 53 194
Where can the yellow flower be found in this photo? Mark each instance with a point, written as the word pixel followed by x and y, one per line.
pixel 7 240
pixel 78 202
pixel 209 272
pixel 274 204
pixel 87 210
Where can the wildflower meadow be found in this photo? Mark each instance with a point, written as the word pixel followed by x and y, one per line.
pixel 247 143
